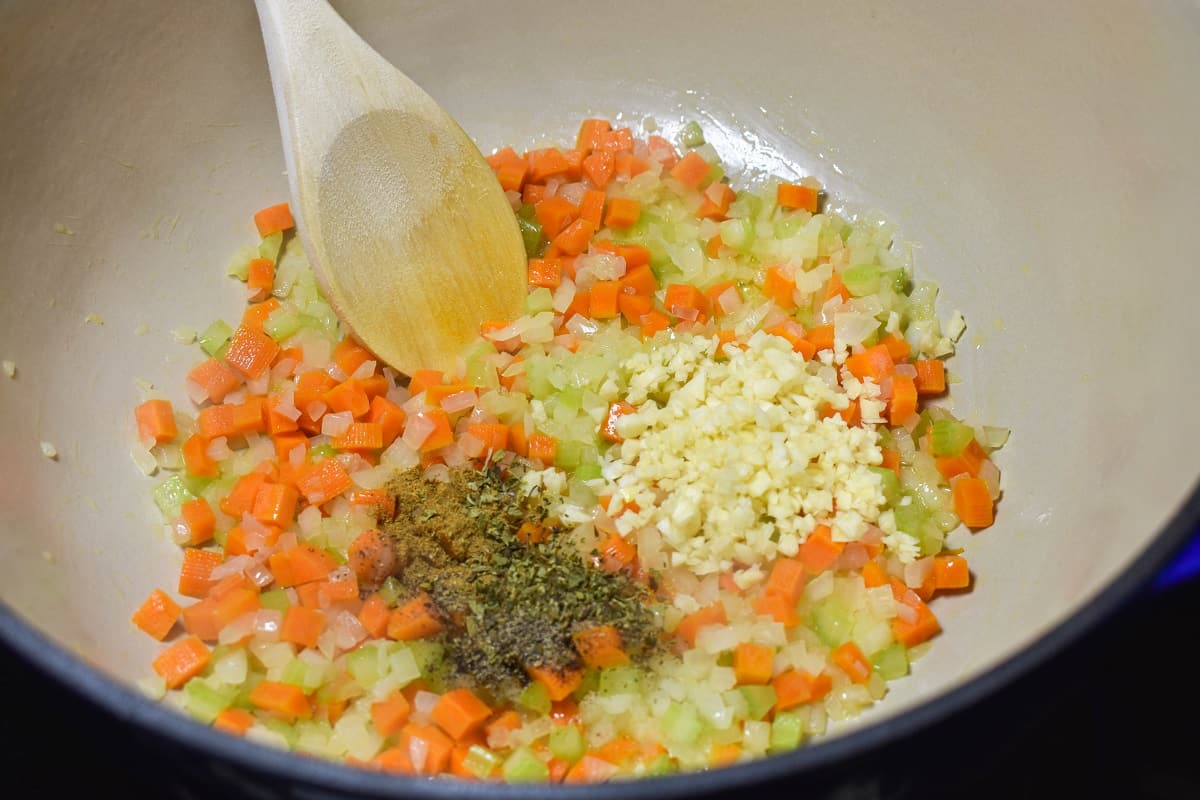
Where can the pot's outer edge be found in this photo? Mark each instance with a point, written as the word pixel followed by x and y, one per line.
pixel 312 778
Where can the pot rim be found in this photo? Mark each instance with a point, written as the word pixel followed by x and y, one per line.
pixel 127 705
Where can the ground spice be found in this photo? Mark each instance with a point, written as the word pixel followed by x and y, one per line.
pixel 510 600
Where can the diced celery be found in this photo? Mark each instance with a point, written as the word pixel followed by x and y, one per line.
pixel 531 236
pixel 891 662
pixel 759 700
pixel 537 376
pixel 205 701
pixel 949 438
pixel 566 742
pixel 587 472
pixel 789 226
pixel 269 247
pixel 523 766
pixel 288 732
pixel 535 698
pixel 390 590
pixel 275 600
pixel 832 622
pixel 716 174
pixel 862 279
pixel 539 300
pixel 402 664
pixel 889 484
pixel 480 761
pixel 691 134
pixel 196 485
pixel 591 680
pixel 366 664
pixel 681 724
pixel 569 455
pixel 320 453
pixel 429 655
pixel 738 233
pixel 619 680
pixel 910 518
pixel 787 731
pixel 170 495
pixel 282 323
pixel 295 673
pixel 239 266
pixel 662 765
pixel 215 336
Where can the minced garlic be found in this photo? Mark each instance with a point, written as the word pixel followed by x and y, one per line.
pixel 736 464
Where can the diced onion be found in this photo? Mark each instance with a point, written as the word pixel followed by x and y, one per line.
pixel 365 369
pixel 337 423
pixel 417 431
pixel 232 566
pixel 916 573
pixel 989 473
pixel 459 401
pixel 218 449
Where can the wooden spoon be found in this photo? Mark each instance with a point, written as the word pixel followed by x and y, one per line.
pixel 409 234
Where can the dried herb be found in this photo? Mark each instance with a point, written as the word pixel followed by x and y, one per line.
pixel 510 603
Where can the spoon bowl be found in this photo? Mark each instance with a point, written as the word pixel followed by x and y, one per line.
pixel 410 236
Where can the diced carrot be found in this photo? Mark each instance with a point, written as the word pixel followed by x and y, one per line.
pixel 686 301
pixel 850 658
pixel 532 193
pixel 201 523
pixel 560 682
pixel 234 720
pixel 836 288
pixel 374 615
pixel 575 237
pixel 778 608
pixel 349 395
pixel 574 164
pixel 627 166
pixel 691 170
pixel 821 337
pixel 532 532
pixel 780 285
pixel 786 579
pixel 502 725
pixel 592 133
pixel 240 499
pixel 276 422
pixel 819 551
pixel 712 248
pixel 662 150
pixel 256 314
pixel 716 201
pixel 599 168
pixel 753 663
pixel 285 443
pixel 792 195
pixel 273 219
pixel 309 563
pixel 602 300
pixel 891 459
pixel 873 362
pixel 510 169
pixel 275 504
pixel 724 754
pixel 795 687
pixel 249 416
pixel 416 619
pixel 546 163
pixel 284 699
pixel 442 433
pixel 349 355
pixel 235 540
pixel 639 280
pixel 389 416
pixel 874 575
pixel 904 399
pixel 182 661
pixel 654 322
pixel 923 628
pixel 251 352
pixel 156 421
pixel 395 760
pixel 635 255
pixel 714 293
pixel 460 713
pixel 195 572
pixel 690 625
pixel 591 207
pixel 390 713
pixel 618 140
pixel 302 626
pixel 215 379
pixel 157 615
pixel 324 481
pixel 973 502
pixel 951 572
pixel 437 747
pixel 931 376
pixel 897 346
pixel 422 379
pixel 622 212
pixel 543 448
pixel 968 462
pixel 359 437
pixel 616 553
pixel 260 277
pixel 494 435
pixel 545 272
pixel 634 306
pixel 555 214
pixel 600 647
pixel 608 428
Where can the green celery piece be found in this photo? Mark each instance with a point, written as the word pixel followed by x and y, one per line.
pixel 569 455
pixel 288 732
pixel 587 472
pixel 540 299
pixel 239 266
pixel 910 518
pixel 891 662
pixel 787 731
pixel 480 761
pixel 430 656
pixel 535 698
pixel 788 227
pixel 567 743
pixel 275 600
pixel 531 237
pixel 366 665
pixel 832 622
pixel 523 766
pixel 269 247
pixel 759 700
pixel 949 438
pixel 862 279
pixel 294 673
pixel 619 680
pixel 390 590
pixel 691 134
pixel 205 701
pixel 681 724
pixel 889 484
pixel 662 765
pixel 320 453
pixel 170 495
pixel 282 323
pixel 215 336
pixel 738 233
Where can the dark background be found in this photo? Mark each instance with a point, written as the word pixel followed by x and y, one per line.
pixel 1113 717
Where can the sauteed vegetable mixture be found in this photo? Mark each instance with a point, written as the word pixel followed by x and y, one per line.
pixel 689 509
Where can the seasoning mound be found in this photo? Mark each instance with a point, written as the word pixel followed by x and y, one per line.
pixel 510 582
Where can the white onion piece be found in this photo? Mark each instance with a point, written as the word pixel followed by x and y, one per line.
pixel 232 566
pixel 336 372
pixel 259 575
pixel 916 573
pixel 513 198
pixel 310 521
pixel 564 295
pixel 144 459
pixel 906 613
pixel 730 300
pixel 471 446
pixel 906 369
pixel 989 473
pixel 438 472
pixel 418 751
pixel 401 455
pixel 459 401
pixel 423 702
pixel 337 423
pixel 238 395
pixel 296 455
pixel 582 326
pixel 572 192
pixel 267 624
pixel 348 631
pixel 365 369
pixel 237 629
pixel 259 385
pixel 315 409
pixel 685 313
pixel 218 449
pixel 195 392
pixel 417 431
